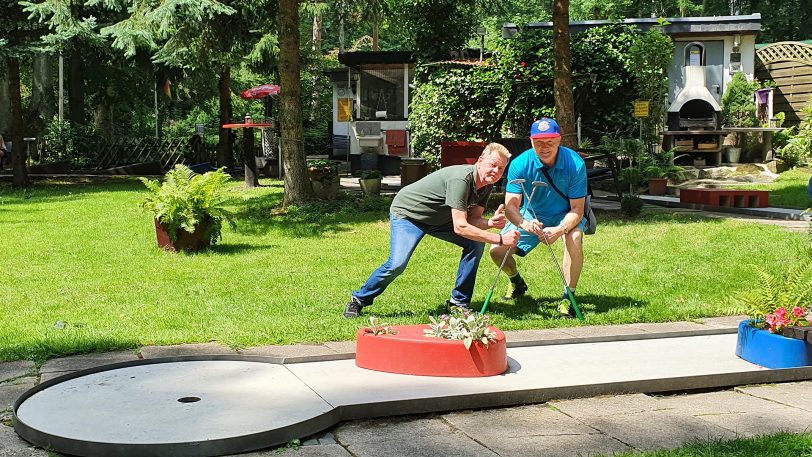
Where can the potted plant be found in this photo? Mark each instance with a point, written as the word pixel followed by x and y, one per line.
pixel 738 110
pixel 324 178
pixel 780 305
pixel 659 168
pixel 459 344
pixel 370 181
pixel 188 208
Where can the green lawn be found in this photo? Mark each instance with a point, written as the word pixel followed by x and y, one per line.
pixel 790 190
pixel 81 272
pixel 780 445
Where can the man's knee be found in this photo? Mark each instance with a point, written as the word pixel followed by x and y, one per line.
pixel 574 240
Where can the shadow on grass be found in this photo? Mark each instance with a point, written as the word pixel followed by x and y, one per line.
pixel 264 214
pixel 67 189
pixel 652 217
pixel 548 305
pixel 240 248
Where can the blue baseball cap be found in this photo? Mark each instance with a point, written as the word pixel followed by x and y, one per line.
pixel 545 128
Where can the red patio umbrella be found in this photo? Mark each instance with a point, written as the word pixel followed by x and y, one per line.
pixel 260 92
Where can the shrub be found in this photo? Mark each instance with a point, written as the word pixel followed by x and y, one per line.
pixel 185 199
pixel 631 205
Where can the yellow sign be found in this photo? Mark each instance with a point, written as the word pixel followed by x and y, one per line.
pixel 344 109
pixel 641 108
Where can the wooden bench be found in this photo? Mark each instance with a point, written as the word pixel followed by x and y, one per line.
pixel 725 197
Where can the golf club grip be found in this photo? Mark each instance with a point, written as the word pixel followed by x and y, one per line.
pixel 487 301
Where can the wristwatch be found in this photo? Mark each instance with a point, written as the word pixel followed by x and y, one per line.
pixel 564 226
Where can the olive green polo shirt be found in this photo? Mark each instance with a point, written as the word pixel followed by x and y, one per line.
pixel 431 199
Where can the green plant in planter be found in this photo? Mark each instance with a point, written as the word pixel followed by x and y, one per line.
pixel 322 170
pixel 781 300
pixel 468 326
pixel 186 199
pixel 661 165
pixel 370 174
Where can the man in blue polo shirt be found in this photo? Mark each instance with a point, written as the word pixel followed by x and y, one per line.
pixel 560 212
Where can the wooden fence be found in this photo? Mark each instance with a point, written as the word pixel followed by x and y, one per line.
pixel 789 64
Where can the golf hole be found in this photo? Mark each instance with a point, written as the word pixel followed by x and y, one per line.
pixel 189 399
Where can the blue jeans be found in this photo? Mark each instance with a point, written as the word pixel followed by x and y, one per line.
pixel 405 236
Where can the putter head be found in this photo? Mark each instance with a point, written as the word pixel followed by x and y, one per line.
pixel 517 181
pixel 539 184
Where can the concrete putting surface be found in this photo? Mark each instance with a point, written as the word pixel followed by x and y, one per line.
pixel 150 407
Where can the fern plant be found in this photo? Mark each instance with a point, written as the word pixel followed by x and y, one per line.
pixel 788 291
pixel 186 199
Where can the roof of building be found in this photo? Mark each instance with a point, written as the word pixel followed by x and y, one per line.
pixel 356 58
pixel 678 26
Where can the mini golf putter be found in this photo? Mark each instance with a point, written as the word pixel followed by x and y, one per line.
pixel 570 295
pixel 504 259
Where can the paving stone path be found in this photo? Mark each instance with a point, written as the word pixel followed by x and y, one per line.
pixel 566 427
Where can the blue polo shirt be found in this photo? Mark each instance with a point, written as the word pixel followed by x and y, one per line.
pixel 568 174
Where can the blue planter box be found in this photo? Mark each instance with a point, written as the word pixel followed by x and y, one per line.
pixel 770 350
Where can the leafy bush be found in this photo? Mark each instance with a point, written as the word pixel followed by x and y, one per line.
pixel 463 104
pixel 452 104
pixel 738 107
pixel 64 141
pixel 631 205
pixel 798 148
pixel 185 199
pixel 650 56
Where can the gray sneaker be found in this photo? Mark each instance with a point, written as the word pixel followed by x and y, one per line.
pixel 462 306
pixel 353 309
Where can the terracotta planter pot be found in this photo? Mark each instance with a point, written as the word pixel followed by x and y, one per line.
pixel 657 186
pixel 409 351
pixel 185 241
pixel 771 350
pixel 324 181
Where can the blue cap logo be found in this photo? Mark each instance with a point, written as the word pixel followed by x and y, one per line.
pixel 545 128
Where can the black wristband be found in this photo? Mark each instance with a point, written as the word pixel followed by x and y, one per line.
pixel 500 239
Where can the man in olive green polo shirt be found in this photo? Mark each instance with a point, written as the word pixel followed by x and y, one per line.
pixel 447 204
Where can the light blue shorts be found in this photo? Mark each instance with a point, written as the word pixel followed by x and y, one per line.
pixel 528 241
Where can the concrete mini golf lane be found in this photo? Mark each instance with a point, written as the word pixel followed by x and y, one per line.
pixel 133 408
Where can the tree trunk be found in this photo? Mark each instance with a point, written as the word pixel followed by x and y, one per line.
pixel 562 73
pixel 250 159
pixel 341 28
pixel 224 156
pixel 42 107
pixel 297 185
pixel 376 35
pixel 19 170
pixel 76 89
pixel 5 99
pixel 314 95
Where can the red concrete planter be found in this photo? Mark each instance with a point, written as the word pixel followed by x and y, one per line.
pixel 185 241
pixel 410 352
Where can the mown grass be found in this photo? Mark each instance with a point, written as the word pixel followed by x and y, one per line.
pixel 780 445
pixel 81 272
pixel 790 190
